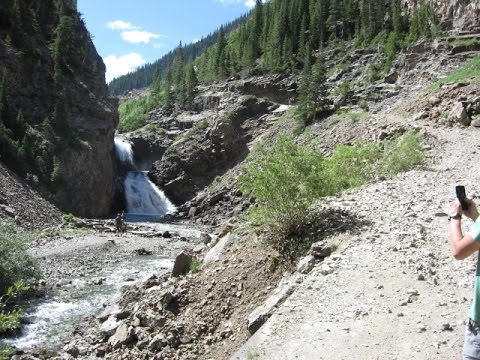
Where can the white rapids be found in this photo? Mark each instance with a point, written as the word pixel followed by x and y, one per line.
pixel 145 201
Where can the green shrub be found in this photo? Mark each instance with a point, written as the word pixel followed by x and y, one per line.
pixel 10 317
pixel 68 217
pixel 6 351
pixel 286 179
pixel 195 266
pixel 15 264
pixel 133 113
pixel 401 154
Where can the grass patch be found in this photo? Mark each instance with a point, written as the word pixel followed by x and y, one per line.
pixel 69 232
pixel 464 42
pixel 348 116
pixel 133 113
pixel 470 71
pixel 153 129
pixel 195 266
pixel 286 178
pixel 202 125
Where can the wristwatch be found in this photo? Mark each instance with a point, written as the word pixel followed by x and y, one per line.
pixel 455 215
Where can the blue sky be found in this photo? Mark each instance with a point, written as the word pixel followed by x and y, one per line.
pixel 128 34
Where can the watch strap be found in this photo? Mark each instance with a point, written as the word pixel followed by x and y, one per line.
pixel 455 215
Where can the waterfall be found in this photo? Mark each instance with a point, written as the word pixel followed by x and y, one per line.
pixel 124 151
pixel 144 200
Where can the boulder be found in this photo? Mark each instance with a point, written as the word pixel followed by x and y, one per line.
pixel 434 100
pixel 9 211
pixel 72 349
pixel 157 343
pixel 320 249
pixel 261 314
pixel 109 327
pixel 459 115
pixel 475 123
pixel 306 264
pixel 124 335
pixel 391 78
pixel 215 252
pixel 182 264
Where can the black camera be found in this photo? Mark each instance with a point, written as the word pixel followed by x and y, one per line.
pixel 462 197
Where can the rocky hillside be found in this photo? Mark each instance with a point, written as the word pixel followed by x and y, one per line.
pixel 455 15
pixel 57 117
pixel 22 204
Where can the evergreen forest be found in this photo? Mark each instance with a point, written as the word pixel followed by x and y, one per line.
pixel 284 36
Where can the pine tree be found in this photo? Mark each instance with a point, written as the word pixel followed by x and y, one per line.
pixel 220 66
pixel 156 85
pixel 254 48
pixel 191 83
pixel 179 77
pixel 167 97
pixel 313 91
pixel 63 47
pixel 319 88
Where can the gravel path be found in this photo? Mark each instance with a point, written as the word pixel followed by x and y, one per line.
pixel 392 290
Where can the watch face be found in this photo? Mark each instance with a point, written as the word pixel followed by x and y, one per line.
pixel 455 215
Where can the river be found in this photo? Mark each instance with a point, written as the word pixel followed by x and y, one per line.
pixel 93 268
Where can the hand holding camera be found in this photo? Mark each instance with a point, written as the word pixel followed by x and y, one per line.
pixel 467 206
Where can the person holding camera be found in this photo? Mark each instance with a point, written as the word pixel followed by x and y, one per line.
pixel 463 246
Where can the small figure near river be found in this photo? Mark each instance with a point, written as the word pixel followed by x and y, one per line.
pixel 120 224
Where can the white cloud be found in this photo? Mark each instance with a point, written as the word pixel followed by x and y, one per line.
pixel 159 45
pixel 121 65
pixel 137 36
pixel 248 3
pixel 121 25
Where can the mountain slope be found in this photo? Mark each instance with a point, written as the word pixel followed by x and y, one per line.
pixel 56 118
pixel 392 290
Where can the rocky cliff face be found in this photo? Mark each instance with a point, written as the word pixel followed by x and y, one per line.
pixel 53 76
pixel 456 15
pixel 210 148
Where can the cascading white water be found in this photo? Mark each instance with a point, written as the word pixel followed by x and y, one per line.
pixel 144 200
pixel 124 151
pixel 143 197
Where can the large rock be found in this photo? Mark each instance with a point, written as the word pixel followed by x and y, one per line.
pixel 306 264
pixel 223 244
pixel 459 115
pixel 261 314
pixel 182 264
pixel 109 327
pixel 124 335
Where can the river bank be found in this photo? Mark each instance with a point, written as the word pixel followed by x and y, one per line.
pixel 84 268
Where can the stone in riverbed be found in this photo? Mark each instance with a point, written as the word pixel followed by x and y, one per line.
pixel 109 327
pixel 123 336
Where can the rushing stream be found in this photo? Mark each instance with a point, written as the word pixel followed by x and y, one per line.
pixel 51 319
